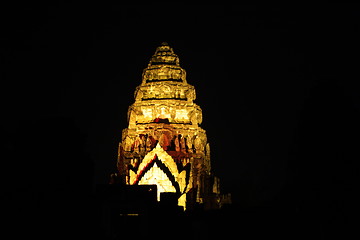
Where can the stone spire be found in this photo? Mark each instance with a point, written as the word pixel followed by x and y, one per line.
pixel 164 55
pixel 164 143
pixel 164 65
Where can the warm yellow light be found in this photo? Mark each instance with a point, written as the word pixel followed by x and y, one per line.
pixel 164 144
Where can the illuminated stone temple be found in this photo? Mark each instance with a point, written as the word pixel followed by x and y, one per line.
pixel 164 144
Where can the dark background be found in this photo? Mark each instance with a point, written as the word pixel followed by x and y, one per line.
pixel 278 86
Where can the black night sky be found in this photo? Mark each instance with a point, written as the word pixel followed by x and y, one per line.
pixel 278 86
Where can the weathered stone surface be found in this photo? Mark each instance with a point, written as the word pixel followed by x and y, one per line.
pixel 164 144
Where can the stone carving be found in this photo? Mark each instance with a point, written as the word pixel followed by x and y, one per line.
pixel 164 143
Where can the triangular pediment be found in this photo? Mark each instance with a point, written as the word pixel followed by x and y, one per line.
pixel 162 156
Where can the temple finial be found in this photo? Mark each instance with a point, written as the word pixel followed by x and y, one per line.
pixel 164 65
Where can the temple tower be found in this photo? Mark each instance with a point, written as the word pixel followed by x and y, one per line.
pixel 164 143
